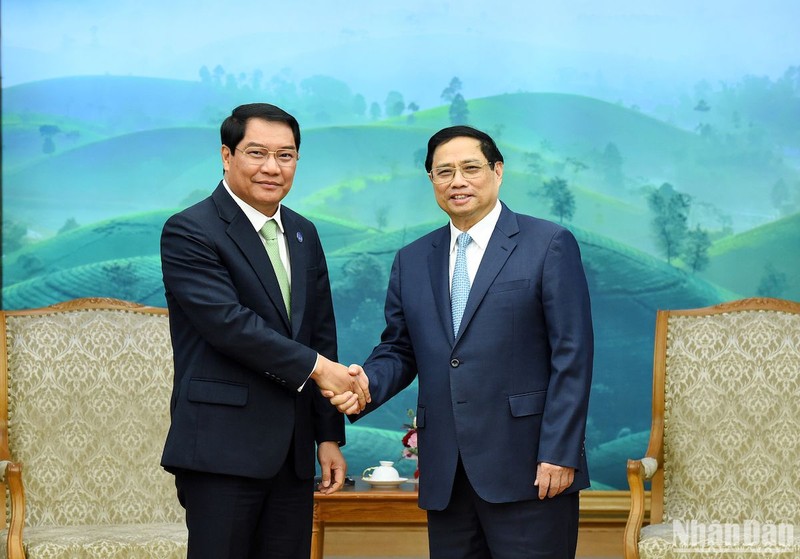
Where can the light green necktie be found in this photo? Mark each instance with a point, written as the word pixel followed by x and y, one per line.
pixel 270 233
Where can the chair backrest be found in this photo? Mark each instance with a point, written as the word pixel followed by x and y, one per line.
pixel 84 406
pixel 729 381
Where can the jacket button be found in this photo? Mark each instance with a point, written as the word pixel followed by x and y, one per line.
pixel 455 363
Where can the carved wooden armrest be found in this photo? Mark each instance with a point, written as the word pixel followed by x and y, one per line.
pixel 12 476
pixel 638 472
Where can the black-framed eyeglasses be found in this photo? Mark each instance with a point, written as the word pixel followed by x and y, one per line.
pixel 259 155
pixel 444 175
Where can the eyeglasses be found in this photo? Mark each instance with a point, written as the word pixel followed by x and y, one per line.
pixel 258 156
pixel 444 175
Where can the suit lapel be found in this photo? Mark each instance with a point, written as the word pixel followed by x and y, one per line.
pixel 438 267
pixel 501 245
pixel 241 232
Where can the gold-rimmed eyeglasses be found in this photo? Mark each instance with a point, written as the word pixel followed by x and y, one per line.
pixel 444 175
pixel 259 156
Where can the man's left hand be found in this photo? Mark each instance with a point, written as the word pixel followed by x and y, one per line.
pixel 552 479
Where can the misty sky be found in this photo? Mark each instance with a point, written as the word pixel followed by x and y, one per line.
pixel 377 46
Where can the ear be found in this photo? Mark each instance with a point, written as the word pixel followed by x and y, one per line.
pixel 498 171
pixel 226 158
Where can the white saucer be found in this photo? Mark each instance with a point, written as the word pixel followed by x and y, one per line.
pixel 385 483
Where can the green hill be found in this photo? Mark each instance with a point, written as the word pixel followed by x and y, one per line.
pixel 132 279
pixel 373 172
pixel 741 262
pixel 125 237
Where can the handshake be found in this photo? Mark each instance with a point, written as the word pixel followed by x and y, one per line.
pixel 347 388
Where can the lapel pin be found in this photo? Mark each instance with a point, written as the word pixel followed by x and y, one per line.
pixel 299 237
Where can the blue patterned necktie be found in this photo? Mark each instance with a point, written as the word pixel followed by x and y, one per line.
pixel 270 233
pixel 460 288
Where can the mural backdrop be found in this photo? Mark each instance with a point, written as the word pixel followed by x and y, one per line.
pixel 666 136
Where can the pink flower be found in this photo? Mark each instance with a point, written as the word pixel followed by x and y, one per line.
pixel 409 441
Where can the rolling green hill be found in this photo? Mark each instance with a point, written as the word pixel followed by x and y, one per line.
pixel 97 174
pixel 126 237
pixel 741 262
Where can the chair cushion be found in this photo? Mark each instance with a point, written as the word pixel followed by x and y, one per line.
pixel 116 541
pixel 660 541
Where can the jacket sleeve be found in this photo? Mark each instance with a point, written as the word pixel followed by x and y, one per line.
pixel 568 318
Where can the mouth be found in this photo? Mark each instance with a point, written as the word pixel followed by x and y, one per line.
pixel 460 197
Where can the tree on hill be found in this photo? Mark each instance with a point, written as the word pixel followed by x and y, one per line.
pixel 394 104
pixel 534 162
pixel 702 106
pixel 123 277
pixel 670 210
pixel 695 251
pixel 69 225
pixel 611 162
pixel 15 235
pixel 218 74
pixel 459 112
pixel 773 282
pixel 412 110
pixel 577 165
pixel 359 105
pixel 205 74
pixel 48 131
pixel 785 199
pixel 375 111
pixel 359 297
pixel 451 90
pixel 562 201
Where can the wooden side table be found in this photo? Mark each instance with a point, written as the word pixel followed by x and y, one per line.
pixel 361 504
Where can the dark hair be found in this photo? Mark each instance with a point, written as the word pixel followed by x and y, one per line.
pixel 233 128
pixel 488 147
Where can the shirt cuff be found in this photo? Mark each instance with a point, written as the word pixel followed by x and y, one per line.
pixel 316 361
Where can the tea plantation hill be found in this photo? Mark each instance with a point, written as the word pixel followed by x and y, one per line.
pixel 148 147
pixel 739 262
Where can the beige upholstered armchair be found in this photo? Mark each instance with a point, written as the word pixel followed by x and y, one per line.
pixel 84 408
pixel 724 452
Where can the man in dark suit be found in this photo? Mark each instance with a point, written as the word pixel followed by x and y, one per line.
pixel 497 327
pixel 254 336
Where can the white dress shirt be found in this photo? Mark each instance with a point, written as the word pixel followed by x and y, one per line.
pixel 481 232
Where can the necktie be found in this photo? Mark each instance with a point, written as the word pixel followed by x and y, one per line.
pixel 460 288
pixel 270 233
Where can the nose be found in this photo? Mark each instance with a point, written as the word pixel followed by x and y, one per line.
pixel 270 164
pixel 458 178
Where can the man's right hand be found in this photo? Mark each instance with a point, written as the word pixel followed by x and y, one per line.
pixel 347 402
pixel 349 387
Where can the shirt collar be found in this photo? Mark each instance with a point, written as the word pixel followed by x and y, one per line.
pixel 481 232
pixel 253 215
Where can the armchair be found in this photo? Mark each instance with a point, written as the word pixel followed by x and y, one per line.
pixel 84 408
pixel 724 453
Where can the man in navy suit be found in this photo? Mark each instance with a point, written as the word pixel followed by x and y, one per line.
pixel 499 334
pixel 254 336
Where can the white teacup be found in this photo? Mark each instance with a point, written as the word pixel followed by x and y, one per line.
pixel 384 472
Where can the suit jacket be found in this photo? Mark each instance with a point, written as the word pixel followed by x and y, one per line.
pixel 512 389
pixel 239 361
